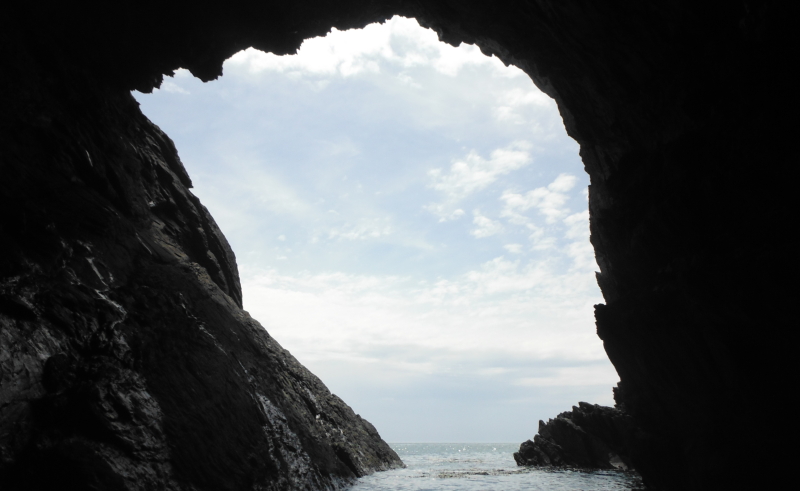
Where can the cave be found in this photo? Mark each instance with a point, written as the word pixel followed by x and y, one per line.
pixel 126 360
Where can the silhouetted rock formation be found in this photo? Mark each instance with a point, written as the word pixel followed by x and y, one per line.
pixel 114 273
pixel 127 361
pixel 589 436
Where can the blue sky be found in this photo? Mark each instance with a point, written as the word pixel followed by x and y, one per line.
pixel 410 221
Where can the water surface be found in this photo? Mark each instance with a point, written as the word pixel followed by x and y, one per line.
pixel 483 467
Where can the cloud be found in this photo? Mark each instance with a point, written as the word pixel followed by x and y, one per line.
pixel 400 42
pixel 474 173
pixel 510 101
pixel 540 241
pixel 518 311
pixel 571 376
pixel 486 226
pixel 173 88
pixel 549 201
pixel 256 185
pixel 434 317
pixel 580 249
pixel 562 183
pixel 577 226
pixel 339 53
pixel 366 229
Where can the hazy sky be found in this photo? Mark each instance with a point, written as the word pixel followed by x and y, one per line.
pixel 410 221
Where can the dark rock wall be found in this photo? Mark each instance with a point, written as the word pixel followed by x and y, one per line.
pixel 126 361
pixel 681 110
pixel 589 437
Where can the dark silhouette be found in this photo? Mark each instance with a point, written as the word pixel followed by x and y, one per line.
pixel 126 361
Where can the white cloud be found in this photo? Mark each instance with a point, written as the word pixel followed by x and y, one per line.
pixel 408 80
pixel 474 173
pixel 571 376
pixel 511 309
pixel 510 320
pixel 400 42
pixel 540 241
pixel 550 201
pixel 340 53
pixel 486 226
pixel 510 101
pixel 562 184
pixel 580 249
pixel 172 87
pixel 251 180
pixel 365 229
pixel 450 62
pixel 577 226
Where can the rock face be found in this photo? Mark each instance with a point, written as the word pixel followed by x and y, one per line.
pixel 590 436
pixel 126 357
pixel 126 360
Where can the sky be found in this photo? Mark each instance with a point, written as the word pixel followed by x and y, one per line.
pixel 410 222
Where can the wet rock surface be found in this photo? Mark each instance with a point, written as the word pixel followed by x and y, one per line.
pixel 589 436
pixel 112 269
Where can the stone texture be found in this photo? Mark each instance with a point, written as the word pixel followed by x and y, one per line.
pixel 126 361
pixel 590 437
pixel 680 108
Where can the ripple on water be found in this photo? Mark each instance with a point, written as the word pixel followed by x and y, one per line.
pixel 484 467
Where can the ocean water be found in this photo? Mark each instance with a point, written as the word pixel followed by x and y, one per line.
pixel 483 467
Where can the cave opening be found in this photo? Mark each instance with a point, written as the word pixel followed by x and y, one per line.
pixel 409 220
pixel 680 110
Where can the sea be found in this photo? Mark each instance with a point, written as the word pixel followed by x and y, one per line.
pixel 484 467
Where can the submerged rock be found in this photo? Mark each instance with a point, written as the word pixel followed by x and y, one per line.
pixel 589 436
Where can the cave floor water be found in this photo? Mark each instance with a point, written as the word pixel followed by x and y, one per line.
pixel 484 467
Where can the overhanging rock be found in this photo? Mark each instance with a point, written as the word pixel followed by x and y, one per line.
pixel 126 357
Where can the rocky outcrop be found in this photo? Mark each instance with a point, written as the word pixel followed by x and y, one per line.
pixel 126 360
pixel 590 437
pixel 680 108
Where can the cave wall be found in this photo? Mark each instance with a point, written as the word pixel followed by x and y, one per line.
pixel 679 108
pixel 126 360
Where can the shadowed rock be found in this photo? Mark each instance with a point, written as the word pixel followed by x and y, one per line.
pixel 590 436
pixel 126 360
pixel 109 266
